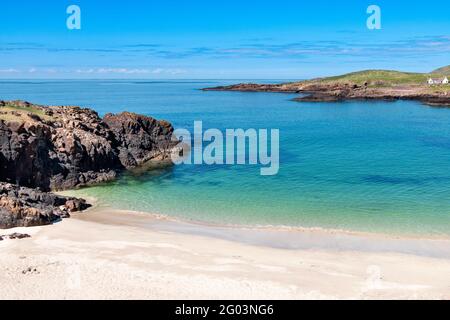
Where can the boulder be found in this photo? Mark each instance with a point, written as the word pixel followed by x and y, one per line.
pixel 25 207
pixel 140 138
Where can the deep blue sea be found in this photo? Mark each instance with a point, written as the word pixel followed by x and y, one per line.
pixel 363 166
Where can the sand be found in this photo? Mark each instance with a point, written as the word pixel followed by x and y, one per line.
pixel 106 254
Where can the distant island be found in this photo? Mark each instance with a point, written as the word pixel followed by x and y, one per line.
pixel 429 88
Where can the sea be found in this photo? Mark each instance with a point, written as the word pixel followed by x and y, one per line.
pixel 375 166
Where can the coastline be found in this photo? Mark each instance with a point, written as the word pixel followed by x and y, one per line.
pixel 104 253
pixel 108 254
pixel 330 90
pixel 276 237
pixel 99 209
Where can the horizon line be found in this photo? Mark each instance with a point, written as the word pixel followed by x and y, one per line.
pixel 142 79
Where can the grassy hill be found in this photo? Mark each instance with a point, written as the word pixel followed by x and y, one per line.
pixel 382 78
pixel 443 71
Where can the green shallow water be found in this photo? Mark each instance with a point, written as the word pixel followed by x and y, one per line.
pixel 363 166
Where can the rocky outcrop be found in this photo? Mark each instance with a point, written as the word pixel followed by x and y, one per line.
pixel 346 94
pixel 26 207
pixel 254 87
pixel 328 91
pixel 140 138
pixel 14 236
pixel 63 147
pixel 56 148
pixel 72 150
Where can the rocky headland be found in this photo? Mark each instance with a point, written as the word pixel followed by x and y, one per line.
pixel 364 85
pixel 52 148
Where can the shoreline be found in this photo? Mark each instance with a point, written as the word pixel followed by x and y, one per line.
pixel 272 236
pixel 97 206
pixel 318 90
pixel 104 254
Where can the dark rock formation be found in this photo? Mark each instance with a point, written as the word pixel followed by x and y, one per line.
pixel 15 235
pixel 25 207
pixel 140 138
pixel 57 148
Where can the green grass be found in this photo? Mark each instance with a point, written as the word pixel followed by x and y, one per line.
pixel 19 113
pixel 443 71
pixel 440 89
pixel 379 78
pixel 394 77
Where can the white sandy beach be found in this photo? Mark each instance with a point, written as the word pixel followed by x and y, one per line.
pixel 106 254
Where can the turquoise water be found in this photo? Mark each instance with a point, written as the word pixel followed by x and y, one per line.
pixel 365 166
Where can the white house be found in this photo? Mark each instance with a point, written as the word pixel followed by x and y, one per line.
pixel 432 81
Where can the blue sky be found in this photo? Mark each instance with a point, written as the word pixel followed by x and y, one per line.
pixel 219 39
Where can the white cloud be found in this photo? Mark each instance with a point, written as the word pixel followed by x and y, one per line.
pixel 176 71
pixel 29 70
pixel 129 71
pixel 122 70
pixel 85 71
pixel 10 70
